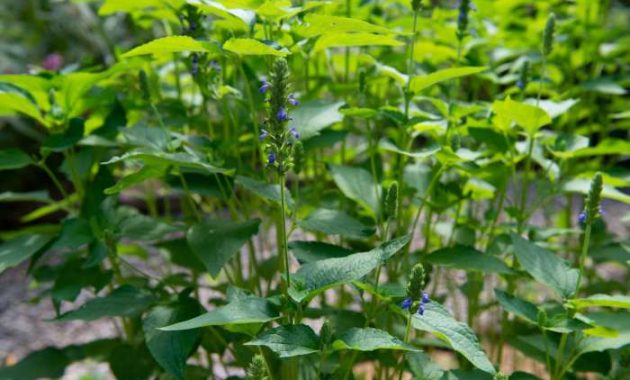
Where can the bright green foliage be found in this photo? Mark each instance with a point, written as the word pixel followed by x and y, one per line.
pixel 310 190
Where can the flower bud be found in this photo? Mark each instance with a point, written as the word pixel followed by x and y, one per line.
pixel 592 209
pixel 524 76
pixel 391 201
pixel 416 282
pixel 550 29
pixel 326 333
pixel 256 369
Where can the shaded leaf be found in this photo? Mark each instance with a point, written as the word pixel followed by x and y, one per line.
pixel 266 191
pixel 173 44
pixel 517 306
pixel 288 340
pixel 329 40
pixel 419 83
pixel 125 301
pixel 370 339
pixel 358 185
pixel 335 222
pixel 310 117
pixel 601 300
pixel 14 158
pixel 309 251
pixel 249 46
pixel 467 258
pixel 13 252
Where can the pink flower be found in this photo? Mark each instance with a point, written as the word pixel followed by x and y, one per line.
pixel 52 62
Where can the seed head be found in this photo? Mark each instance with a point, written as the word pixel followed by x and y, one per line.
pixel 416 282
pixel 524 76
pixel 256 369
pixel 592 209
pixel 462 19
pixel 391 201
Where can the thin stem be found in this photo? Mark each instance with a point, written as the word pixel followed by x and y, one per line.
pixel 585 245
pixel 284 251
pixel 407 333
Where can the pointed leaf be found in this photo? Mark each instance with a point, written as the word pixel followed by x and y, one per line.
pixel 329 40
pixel 335 222
pixel 249 46
pixel 370 339
pixel 13 158
pixel 467 258
pixel 173 44
pixel 316 277
pixel 310 117
pixel 266 191
pixel 125 301
pixel 358 185
pixel 288 340
pixel 545 266
pixel 13 252
pixel 419 83
pixel 438 321
pixel 517 306
pixel 245 310
pixel 601 300
pixel 217 241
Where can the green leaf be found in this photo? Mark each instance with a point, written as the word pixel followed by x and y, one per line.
pixel 13 158
pixel 75 232
pixel 517 306
pixel 125 301
pixel 528 116
pixel 388 146
pixel 13 102
pixel 131 362
pixel 288 340
pixel 310 117
pixel 246 310
pixel 249 46
pixel 583 185
pixel 545 266
pixel 422 367
pixel 309 251
pixel 318 24
pixel 438 321
pixel 161 159
pixel 14 251
pixel 467 258
pixel 217 241
pixel 129 223
pixel 335 222
pixel 59 142
pixel 173 44
pixel 135 178
pixel 266 191
pixel 49 363
pixel 171 349
pixel 370 339
pixel 314 278
pixel 358 185
pixel 31 196
pixel 330 40
pixel 420 83
pixel 609 146
pixel 601 300
pixel 618 322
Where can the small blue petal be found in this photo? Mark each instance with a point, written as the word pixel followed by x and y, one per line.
pixel 520 84
pixel 294 133
pixel 406 303
pixel 282 115
pixel 582 217
pixel 264 87
pixel 421 309
pixel 263 135
pixel 425 297
pixel 292 101
pixel 271 158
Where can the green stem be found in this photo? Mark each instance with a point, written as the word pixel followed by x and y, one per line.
pixel 283 250
pixel 407 333
pixel 585 245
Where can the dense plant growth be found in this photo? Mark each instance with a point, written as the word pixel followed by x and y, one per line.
pixel 328 190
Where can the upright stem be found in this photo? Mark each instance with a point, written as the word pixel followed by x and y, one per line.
pixel 407 333
pixel 283 250
pixel 585 245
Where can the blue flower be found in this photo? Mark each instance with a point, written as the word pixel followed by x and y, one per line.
pixel 263 134
pixel 282 115
pixel 292 100
pixel 520 84
pixel 194 64
pixel 406 303
pixel 264 87
pixel 425 297
pixel 582 217
pixel 271 158
pixel 421 309
pixel 462 16
pixel 294 133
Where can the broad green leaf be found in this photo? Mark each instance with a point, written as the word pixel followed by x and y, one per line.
pixel 370 339
pixel 467 258
pixel 309 251
pixel 31 196
pixel 288 340
pixel 249 46
pixel 388 146
pixel 608 146
pixel 240 18
pixel 517 306
pixel 330 40
pixel 554 109
pixel 125 301
pixel 420 83
pixel 171 349
pixel 422 367
pixel 12 102
pixel 314 278
pixel 14 158
pixel 135 178
pixel 49 363
pixel 583 186
pixel 217 241
pixel 59 142
pixel 605 86
pixel 335 222
pixel 310 117
pixel 439 322
pixel 173 44
pixel 113 6
pixel 245 310
pixel 266 191
pixel 358 185
pixel 601 300
pixel 161 159
pixel 131 362
pixel 14 251
pixel 528 116
pixel 545 266
pixel 317 24
pixel 130 224
pixel 618 322
pixel 75 232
